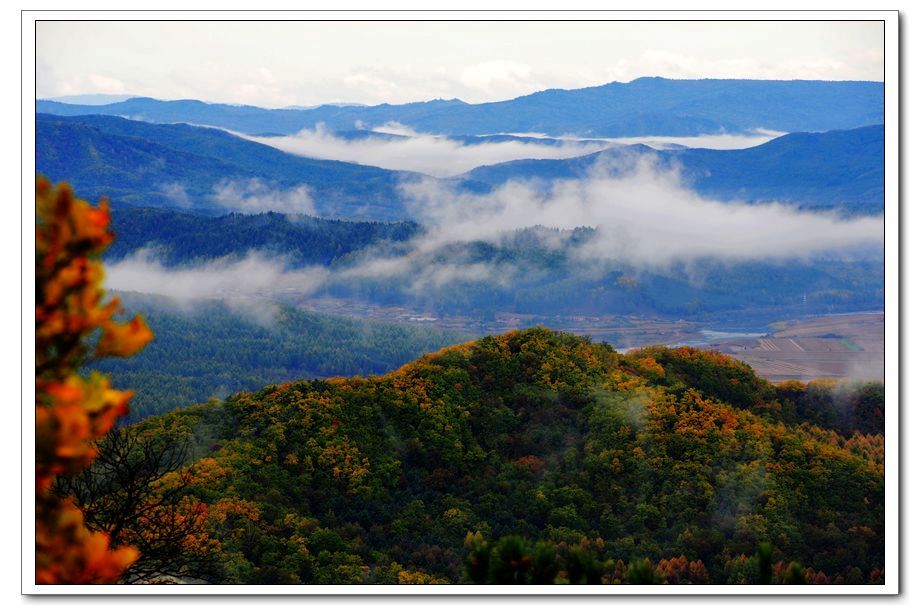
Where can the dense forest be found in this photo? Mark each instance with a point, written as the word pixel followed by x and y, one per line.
pixel 210 349
pixel 530 271
pixel 531 457
pixel 181 238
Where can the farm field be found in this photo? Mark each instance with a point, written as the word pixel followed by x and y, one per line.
pixel 623 332
pixel 839 346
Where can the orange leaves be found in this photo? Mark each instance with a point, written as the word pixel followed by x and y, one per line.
pixel 531 463
pixel 407 577
pixel 232 508
pixel 698 572
pixel 868 446
pixel 650 367
pixel 67 552
pixel 71 411
pixel 232 519
pixel 70 415
pixel 208 471
pixel 190 514
pixel 67 225
pixel 678 570
pixel 69 306
pixel 123 339
pixel 695 416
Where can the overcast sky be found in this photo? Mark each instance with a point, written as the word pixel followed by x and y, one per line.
pixel 277 64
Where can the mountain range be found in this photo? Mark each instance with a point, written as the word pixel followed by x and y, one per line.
pixel 181 166
pixel 840 169
pixel 643 107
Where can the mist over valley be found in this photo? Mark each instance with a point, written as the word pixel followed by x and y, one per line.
pixel 389 214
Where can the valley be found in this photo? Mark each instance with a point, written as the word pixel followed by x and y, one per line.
pixel 807 348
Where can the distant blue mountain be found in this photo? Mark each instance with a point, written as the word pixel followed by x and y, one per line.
pixel 178 166
pixel 357 135
pixel 841 169
pixel 91 99
pixel 643 107
pixel 242 118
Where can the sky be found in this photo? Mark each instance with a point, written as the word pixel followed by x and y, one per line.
pixel 279 64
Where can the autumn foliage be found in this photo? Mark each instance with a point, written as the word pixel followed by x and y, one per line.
pixel 536 457
pixel 74 323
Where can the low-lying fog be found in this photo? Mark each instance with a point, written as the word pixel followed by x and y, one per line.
pixel 644 216
pixel 399 148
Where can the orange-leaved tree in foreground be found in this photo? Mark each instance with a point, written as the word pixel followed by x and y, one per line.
pixel 74 323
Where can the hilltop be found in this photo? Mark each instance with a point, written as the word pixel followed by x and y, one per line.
pixel 674 455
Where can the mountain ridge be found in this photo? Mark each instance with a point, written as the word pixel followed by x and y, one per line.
pixel 820 170
pixel 134 162
pixel 642 107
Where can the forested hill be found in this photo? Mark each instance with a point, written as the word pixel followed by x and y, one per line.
pixel 642 107
pixel 211 348
pixel 545 445
pixel 185 238
pixel 839 169
pixel 184 167
pixel 209 171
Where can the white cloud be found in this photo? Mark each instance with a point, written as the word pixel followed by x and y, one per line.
pixel 500 76
pixel 422 153
pixel 390 128
pixel 644 216
pixel 706 141
pixel 710 141
pixel 421 271
pixel 255 275
pixel 306 63
pixel 176 193
pixel 255 196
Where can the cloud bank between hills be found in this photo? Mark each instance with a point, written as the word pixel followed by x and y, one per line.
pixel 643 214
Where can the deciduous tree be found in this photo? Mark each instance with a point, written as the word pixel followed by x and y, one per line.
pixel 74 323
